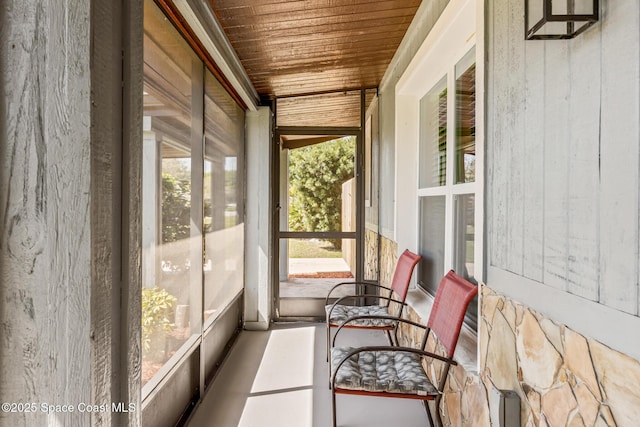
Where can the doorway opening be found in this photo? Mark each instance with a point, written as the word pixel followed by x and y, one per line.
pixel 318 229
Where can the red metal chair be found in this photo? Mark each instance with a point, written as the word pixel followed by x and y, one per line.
pixel 337 313
pixel 392 371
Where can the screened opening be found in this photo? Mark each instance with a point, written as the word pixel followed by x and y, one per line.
pixel 192 211
pixel 317 244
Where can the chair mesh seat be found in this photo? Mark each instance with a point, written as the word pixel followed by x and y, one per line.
pixel 381 371
pixel 343 312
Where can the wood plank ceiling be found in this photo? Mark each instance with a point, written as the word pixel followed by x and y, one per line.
pixel 295 47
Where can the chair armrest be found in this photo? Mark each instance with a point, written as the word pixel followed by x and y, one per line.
pixel 393 318
pixel 333 306
pixel 388 348
pixel 326 301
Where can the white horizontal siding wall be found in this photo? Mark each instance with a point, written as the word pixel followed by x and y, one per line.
pixel 563 138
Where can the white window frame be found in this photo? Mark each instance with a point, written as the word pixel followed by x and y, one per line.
pixel 458 30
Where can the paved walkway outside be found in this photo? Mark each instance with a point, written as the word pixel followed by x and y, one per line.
pixel 315 287
pixel 316 265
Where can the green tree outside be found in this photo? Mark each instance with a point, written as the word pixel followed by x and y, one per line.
pixel 316 175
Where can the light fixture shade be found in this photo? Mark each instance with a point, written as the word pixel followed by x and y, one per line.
pixel 558 19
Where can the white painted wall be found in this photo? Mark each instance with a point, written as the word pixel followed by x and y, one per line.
pixel 258 293
pixel 563 131
pixel 407 133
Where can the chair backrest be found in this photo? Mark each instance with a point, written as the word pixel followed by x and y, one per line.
pixel 402 275
pixel 449 307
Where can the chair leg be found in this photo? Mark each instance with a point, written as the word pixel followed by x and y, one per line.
pixel 329 350
pixel 333 406
pixel 328 338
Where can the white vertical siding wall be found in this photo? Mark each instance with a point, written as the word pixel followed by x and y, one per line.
pixel 45 184
pixel 563 122
pixel 65 329
pixel 129 372
pixel 619 146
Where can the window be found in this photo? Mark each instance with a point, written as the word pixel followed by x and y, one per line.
pixel 447 171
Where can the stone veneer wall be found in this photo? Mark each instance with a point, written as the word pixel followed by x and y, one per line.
pixel 562 378
pixel 370 255
pixel 388 260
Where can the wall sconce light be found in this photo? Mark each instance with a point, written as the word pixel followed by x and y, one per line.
pixel 558 19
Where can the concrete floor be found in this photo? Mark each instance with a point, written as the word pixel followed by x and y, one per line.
pixel 279 378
